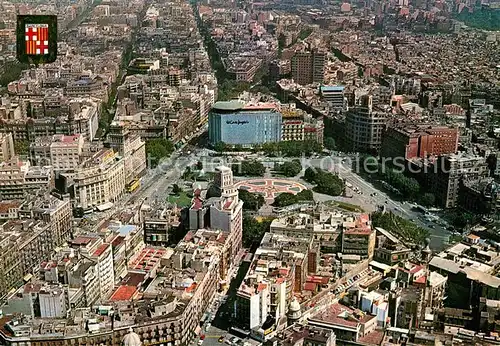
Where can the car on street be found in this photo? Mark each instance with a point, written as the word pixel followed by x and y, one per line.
pixel 221 339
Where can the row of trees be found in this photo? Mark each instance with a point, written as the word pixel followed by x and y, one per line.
pixel 230 89
pixel 251 168
pixel 288 148
pixel 157 149
pixel 286 199
pixel 408 187
pixel 403 228
pixel 290 168
pixel 326 182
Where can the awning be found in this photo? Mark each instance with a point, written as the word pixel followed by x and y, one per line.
pixel 105 206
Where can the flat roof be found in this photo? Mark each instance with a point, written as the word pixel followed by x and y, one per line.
pixel 98 252
pixel 379 265
pixel 124 293
pixel 232 105
pixel 332 88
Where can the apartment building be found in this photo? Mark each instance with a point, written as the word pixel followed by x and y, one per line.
pixel 176 301
pixel 66 152
pixel 131 147
pixel 45 224
pixel 77 273
pixel 448 170
pixel 419 141
pixel 103 256
pixel 292 125
pixel 12 175
pixel 101 179
pixel 55 212
pixel 6 147
pixel 278 269
pixel 351 326
pixel 364 127
pixel 305 335
pixel 308 66
pixel 334 96
pixel 358 237
pixel 159 222
pixel 38 299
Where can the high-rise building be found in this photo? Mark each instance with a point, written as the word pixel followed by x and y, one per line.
pixel 6 147
pixel 227 213
pixel 364 127
pixel 233 122
pixel 308 66
pixel 447 172
pixel 334 96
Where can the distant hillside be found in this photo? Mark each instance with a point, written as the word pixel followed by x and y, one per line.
pixel 485 18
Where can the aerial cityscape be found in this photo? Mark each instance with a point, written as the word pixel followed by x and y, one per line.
pixel 246 173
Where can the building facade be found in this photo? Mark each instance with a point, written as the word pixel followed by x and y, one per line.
pixel 421 141
pixel 100 180
pixel 364 127
pixel 6 147
pixel 234 123
pixel 447 172
pixel 308 67
pixel 334 96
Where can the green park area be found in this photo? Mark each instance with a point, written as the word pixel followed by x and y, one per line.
pixel 182 199
pixel 345 206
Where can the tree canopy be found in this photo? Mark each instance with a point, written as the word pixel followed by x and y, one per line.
pixel 290 148
pixel 286 199
pixel 251 201
pixel 253 231
pixel 252 168
pixel 482 17
pixel 427 199
pixel 403 228
pixel 290 168
pixel 326 182
pixel 157 149
pixel 329 143
pixel 407 186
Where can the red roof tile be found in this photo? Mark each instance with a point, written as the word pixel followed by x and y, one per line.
pixel 124 293
pixel 374 338
pixel 81 240
pixel 100 250
pixel 310 286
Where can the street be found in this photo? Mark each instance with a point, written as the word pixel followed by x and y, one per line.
pixel 369 197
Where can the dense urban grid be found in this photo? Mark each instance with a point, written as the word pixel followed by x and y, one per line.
pixel 274 172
